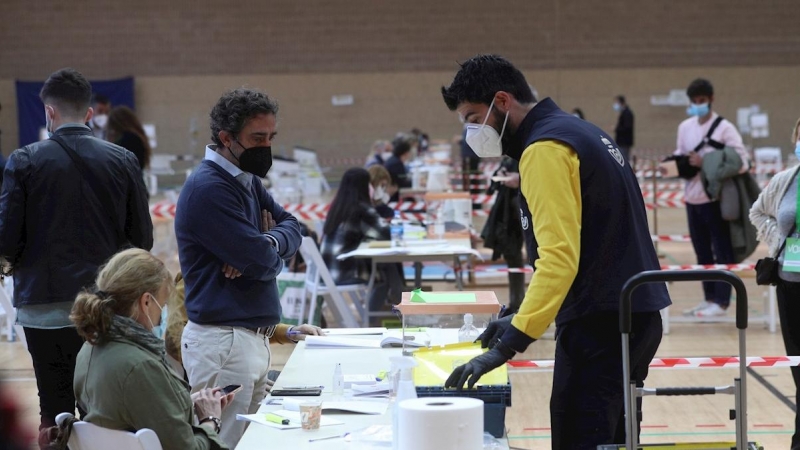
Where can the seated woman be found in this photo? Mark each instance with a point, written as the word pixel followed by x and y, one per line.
pixel 352 220
pixel 125 130
pixel 381 189
pixel 122 380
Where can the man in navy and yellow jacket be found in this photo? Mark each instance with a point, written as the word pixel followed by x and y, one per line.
pixel 586 232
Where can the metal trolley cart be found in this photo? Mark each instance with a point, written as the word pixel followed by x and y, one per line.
pixel 632 392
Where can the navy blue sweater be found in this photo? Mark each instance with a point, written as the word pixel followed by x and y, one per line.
pixel 217 222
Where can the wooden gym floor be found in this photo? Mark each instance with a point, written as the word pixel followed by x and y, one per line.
pixel 671 419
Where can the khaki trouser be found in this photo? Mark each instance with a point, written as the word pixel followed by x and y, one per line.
pixel 216 356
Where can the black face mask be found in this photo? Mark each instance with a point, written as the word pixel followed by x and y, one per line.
pixel 255 160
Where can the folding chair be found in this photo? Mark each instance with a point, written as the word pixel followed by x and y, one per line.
pixel 320 282
pixel 12 329
pixel 87 436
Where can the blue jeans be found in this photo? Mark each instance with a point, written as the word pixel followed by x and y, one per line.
pixel 711 238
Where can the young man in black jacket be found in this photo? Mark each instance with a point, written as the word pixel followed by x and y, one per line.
pixel 68 204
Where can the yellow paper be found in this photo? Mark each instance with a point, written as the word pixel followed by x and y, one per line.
pixel 435 364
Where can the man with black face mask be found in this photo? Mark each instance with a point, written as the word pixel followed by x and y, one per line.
pixel 232 240
pixel 586 232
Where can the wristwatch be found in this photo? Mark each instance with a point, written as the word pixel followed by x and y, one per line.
pixel 217 422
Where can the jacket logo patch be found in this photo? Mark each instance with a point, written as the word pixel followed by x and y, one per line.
pixel 523 219
pixel 614 151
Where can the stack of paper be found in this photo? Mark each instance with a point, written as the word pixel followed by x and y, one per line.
pixel 293 416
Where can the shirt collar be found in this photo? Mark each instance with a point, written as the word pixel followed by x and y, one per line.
pixel 213 156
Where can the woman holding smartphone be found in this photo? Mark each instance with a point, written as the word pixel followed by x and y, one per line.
pixel 122 380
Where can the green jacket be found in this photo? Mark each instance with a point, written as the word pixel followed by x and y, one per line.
pixel 123 386
pixel 736 192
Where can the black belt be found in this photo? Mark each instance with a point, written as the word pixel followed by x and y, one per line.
pixel 267 332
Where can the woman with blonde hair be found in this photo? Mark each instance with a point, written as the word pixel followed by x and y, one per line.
pixel 122 380
pixel 776 216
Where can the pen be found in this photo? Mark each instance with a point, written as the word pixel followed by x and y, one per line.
pixel 295 388
pixel 274 418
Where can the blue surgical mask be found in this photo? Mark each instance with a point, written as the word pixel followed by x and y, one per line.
pixel 698 110
pixel 617 107
pixel 797 150
pixel 158 330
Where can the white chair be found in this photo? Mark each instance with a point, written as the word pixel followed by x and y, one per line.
pixel 87 436
pixel 12 329
pixel 320 282
pixel 769 161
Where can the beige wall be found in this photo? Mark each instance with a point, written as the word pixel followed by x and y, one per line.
pixel 389 102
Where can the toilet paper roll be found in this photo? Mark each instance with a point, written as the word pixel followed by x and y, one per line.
pixel 440 423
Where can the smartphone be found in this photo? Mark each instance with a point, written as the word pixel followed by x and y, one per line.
pixel 231 389
pixel 315 392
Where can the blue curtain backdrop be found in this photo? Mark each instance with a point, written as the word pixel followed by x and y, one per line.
pixel 30 110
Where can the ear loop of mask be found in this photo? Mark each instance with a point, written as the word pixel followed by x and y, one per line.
pixel 486 119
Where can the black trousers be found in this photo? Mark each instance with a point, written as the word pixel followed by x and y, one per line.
pixel 711 239
pixel 53 353
pixel 587 405
pixel 789 311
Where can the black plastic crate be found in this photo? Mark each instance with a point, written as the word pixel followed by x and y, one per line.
pixel 495 401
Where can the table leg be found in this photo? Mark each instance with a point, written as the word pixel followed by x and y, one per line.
pixel 458 272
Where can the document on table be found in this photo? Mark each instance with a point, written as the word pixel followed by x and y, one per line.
pixel 343 406
pixel 418 296
pixel 355 342
pixel 353 331
pixel 293 416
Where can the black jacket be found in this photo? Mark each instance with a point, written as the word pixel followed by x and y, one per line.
pixel 623 133
pixel 53 228
pixel 397 170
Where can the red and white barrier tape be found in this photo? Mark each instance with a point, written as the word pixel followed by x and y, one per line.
pixel 648 195
pixel 671 238
pixel 662 204
pixel 679 363
pixel 731 267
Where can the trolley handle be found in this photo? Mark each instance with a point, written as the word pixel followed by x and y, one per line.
pixel 662 276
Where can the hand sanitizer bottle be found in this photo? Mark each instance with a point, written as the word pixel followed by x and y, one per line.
pixel 338 380
pixel 468 332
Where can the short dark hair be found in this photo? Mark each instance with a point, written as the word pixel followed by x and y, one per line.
pixel 400 146
pixel 621 99
pixel 700 87
pixel 100 99
pixel 481 77
pixel 236 107
pixel 68 90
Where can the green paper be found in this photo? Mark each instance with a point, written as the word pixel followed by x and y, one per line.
pixel 417 296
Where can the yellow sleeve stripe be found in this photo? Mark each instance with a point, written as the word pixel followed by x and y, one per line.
pixel 550 182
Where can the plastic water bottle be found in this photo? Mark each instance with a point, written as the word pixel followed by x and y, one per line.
pixel 396 230
pixel 338 380
pixel 468 332
pixel 405 391
pixel 438 224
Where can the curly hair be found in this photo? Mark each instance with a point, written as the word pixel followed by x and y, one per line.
pixel 236 107
pixel 481 77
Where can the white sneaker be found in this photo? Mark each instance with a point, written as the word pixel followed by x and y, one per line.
pixel 713 310
pixel 700 306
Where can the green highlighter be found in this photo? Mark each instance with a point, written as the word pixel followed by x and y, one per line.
pixel 274 418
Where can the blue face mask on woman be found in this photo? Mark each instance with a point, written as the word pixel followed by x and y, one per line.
pixel 797 150
pixel 698 110
pixel 158 330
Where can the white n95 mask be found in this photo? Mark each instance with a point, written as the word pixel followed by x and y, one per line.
pixel 483 139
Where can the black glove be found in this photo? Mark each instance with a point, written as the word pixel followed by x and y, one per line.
pixel 494 331
pixel 479 366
